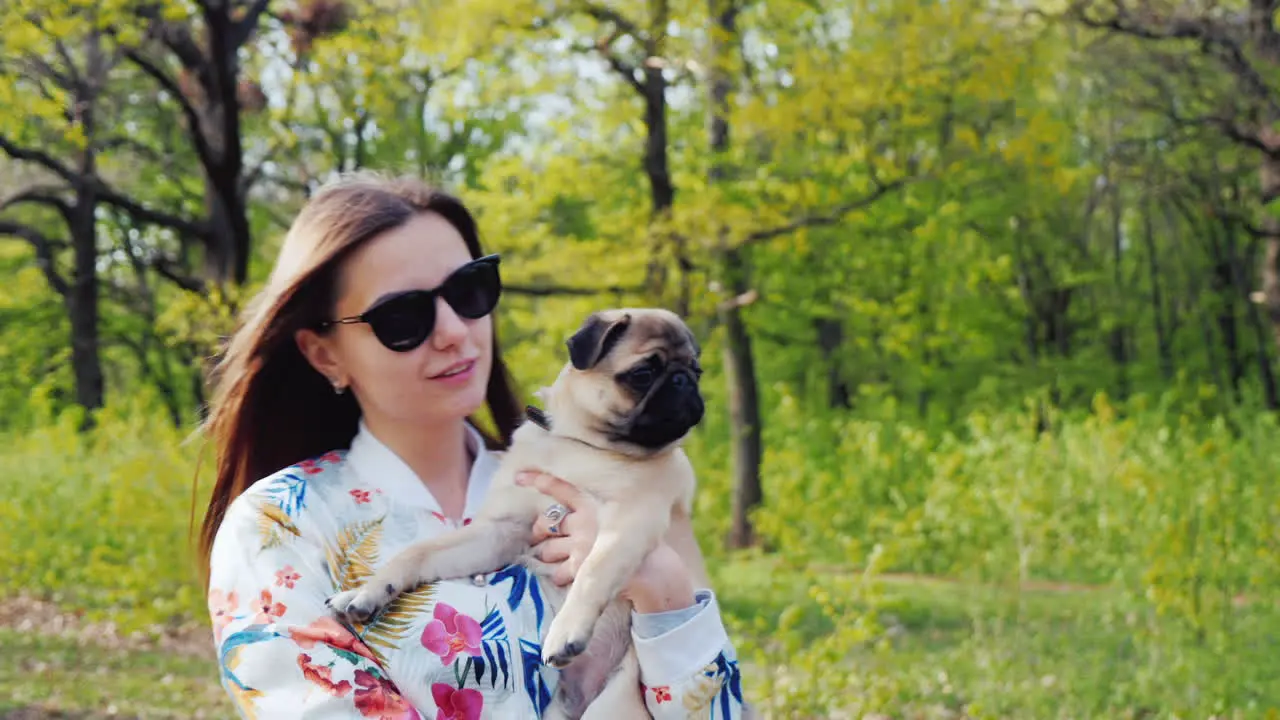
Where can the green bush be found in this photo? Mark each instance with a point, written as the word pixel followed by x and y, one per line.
pixel 99 521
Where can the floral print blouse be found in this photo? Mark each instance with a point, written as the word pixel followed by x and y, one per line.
pixel 454 650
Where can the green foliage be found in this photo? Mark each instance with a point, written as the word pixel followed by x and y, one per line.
pixel 1002 324
pixel 98 521
pixel 1121 561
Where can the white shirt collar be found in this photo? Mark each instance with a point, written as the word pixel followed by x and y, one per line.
pixel 377 466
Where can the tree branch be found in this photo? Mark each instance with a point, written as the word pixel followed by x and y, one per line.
pixel 169 270
pixel 242 30
pixel 44 252
pixel 624 69
pixel 831 217
pixel 628 72
pixel 561 290
pixel 38 157
pixel 194 228
pixel 45 195
pixel 1217 37
pixel 106 194
pixel 203 150
pixel 609 15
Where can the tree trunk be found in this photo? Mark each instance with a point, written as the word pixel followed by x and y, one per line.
pixel 830 337
pixel 82 303
pixel 1253 315
pixel 744 404
pixel 82 298
pixel 739 360
pixel 1118 343
pixel 1270 181
pixel 1164 348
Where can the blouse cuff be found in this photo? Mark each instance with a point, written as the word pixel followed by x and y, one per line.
pixel 649 625
pixel 674 644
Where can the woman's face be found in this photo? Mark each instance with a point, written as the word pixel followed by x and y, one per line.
pixel 442 379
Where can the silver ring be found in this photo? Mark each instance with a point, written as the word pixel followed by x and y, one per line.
pixel 555 512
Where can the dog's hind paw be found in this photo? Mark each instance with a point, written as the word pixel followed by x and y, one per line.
pixel 561 657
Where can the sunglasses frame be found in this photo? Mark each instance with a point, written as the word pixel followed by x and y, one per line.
pixel 434 293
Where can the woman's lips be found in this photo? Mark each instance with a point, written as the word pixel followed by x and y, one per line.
pixel 457 373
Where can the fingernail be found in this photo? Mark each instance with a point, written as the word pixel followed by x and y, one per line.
pixel 524 477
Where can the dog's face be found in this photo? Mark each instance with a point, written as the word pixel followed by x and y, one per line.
pixel 633 377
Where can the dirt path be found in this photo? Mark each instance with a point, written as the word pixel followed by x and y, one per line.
pixel 29 614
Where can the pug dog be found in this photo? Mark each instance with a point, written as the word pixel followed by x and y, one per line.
pixel 616 415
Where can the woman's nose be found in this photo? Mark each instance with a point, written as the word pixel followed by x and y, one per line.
pixel 450 329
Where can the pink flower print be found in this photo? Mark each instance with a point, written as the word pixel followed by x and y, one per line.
pixel 361 496
pixel 310 467
pixel 662 694
pixel 456 704
pixel 222 610
pixel 322 675
pixel 287 576
pixel 451 633
pixel 377 698
pixel 331 457
pixel 327 631
pixel 268 611
pixel 447 521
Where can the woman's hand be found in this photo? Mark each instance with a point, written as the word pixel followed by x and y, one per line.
pixel 662 582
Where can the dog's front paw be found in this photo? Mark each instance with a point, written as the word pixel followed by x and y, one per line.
pixel 565 641
pixel 362 603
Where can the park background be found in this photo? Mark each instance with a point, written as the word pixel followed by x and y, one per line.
pixel 988 291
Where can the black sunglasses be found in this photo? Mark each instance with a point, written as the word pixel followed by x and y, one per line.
pixel 404 320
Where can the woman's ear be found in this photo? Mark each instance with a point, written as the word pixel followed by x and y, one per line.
pixel 320 353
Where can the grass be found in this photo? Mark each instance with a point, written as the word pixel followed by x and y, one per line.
pixel 947 650
pixel 953 649
pixel 1125 565
pixel 63 674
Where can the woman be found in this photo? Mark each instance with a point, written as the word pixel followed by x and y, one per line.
pixel 343 419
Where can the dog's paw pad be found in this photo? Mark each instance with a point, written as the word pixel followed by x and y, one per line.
pixel 565 655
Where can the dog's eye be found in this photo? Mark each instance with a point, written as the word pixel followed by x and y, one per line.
pixel 641 378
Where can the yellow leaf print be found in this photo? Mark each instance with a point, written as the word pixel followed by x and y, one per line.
pixel 243 697
pixel 273 523
pixel 698 698
pixel 391 626
pixel 355 555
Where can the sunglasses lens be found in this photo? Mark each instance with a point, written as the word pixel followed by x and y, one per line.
pixel 473 290
pixel 403 323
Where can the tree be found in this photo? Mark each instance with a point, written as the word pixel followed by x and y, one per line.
pixel 1236 95
pixel 70 75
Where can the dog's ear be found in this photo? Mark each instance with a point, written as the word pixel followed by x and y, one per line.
pixel 595 339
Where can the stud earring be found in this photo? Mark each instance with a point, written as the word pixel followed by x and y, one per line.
pixel 338 388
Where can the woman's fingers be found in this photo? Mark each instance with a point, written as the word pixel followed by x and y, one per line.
pixel 563 492
pixel 567 496
pixel 564 525
pixel 555 550
pixel 565 572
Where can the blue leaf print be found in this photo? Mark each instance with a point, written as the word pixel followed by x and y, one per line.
pixel 502 663
pixel 495 644
pixel 232 645
pixel 731 684
pixel 534 686
pixel 289 492
pixel 522 582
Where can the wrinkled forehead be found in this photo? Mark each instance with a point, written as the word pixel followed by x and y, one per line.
pixel 666 337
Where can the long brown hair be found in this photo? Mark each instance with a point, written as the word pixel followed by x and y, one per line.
pixel 270 408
